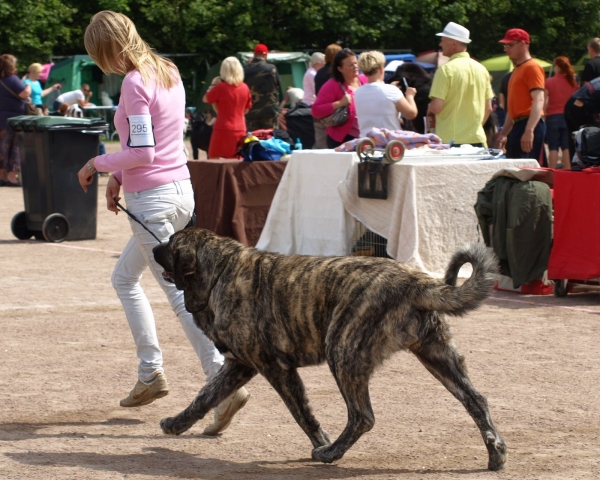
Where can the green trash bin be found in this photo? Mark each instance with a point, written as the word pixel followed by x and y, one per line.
pixel 53 150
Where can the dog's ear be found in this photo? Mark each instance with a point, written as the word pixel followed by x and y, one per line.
pixel 184 265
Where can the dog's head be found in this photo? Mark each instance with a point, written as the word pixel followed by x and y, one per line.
pixel 178 259
pixel 193 259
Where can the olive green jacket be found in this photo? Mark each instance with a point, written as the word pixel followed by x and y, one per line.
pixel 520 216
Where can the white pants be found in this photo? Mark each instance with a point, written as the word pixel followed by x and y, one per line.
pixel 163 210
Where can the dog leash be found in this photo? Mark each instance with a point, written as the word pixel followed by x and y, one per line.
pixel 191 223
pixel 134 218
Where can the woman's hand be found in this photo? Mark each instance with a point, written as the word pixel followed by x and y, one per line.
pixel 85 175
pixel 410 92
pixel 343 102
pixel 113 188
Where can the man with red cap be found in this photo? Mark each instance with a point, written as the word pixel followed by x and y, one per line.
pixel 524 128
pixel 263 80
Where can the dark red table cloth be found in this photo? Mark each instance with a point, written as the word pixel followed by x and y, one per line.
pixel 233 197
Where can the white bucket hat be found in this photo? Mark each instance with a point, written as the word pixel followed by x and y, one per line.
pixel 455 32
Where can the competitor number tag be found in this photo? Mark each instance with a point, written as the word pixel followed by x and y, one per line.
pixel 141 131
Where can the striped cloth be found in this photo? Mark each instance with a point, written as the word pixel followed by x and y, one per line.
pixel 381 137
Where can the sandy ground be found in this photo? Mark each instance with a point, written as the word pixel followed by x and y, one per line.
pixel 67 358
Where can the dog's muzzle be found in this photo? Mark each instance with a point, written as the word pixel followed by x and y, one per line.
pixel 168 276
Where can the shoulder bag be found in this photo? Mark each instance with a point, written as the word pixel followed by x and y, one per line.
pixel 30 108
pixel 587 146
pixel 339 117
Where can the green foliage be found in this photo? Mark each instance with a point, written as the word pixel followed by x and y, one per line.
pixel 214 29
pixel 33 29
pixel 556 27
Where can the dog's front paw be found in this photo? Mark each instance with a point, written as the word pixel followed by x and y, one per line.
pixel 326 454
pixel 167 426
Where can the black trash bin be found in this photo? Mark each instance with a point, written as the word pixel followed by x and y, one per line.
pixel 53 150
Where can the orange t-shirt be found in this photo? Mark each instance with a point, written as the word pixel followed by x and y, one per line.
pixel 526 77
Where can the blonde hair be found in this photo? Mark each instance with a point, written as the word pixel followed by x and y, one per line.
pixel 35 68
pixel 232 71
pixel 371 62
pixel 113 42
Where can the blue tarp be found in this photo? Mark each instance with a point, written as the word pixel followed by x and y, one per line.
pixel 407 57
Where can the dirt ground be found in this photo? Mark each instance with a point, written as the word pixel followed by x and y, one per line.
pixel 67 358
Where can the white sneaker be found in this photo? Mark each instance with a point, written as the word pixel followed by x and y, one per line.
pixel 226 410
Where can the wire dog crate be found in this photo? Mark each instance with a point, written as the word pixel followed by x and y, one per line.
pixel 366 243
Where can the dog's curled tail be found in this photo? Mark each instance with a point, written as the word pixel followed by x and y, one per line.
pixel 453 300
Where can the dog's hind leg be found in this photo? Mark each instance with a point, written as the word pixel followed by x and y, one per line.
pixel 437 353
pixel 229 378
pixel 354 386
pixel 290 388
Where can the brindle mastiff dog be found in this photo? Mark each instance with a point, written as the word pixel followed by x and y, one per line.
pixel 271 314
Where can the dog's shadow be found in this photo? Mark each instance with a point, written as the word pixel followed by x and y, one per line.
pixel 160 461
pixel 165 462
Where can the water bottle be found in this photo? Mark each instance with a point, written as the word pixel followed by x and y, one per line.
pixel 298 145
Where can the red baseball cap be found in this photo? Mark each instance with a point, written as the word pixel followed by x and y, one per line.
pixel 515 35
pixel 261 49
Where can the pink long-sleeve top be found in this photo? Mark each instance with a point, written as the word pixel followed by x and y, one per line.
pixel 323 107
pixel 142 168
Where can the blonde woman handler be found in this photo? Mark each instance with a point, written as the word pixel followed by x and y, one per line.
pixel 152 170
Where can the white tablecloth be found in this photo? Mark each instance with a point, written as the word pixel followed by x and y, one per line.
pixel 428 214
pixel 307 215
pixel 429 210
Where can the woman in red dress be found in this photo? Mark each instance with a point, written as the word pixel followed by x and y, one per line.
pixel 231 99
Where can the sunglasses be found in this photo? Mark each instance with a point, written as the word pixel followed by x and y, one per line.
pixel 510 45
pixel 343 52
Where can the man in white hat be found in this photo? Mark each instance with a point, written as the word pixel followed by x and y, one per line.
pixel 461 93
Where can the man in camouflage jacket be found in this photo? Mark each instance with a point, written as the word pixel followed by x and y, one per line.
pixel 263 80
